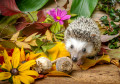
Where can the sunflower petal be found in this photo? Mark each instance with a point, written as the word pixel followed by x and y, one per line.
pixel 16 80
pixel 7 61
pixel 5 75
pixel 29 72
pixel 27 57
pixel 26 65
pixel 22 57
pixel 26 79
pixel 23 79
pixel 16 58
pixel 5 66
pixel 33 56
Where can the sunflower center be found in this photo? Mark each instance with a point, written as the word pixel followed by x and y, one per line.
pixel 58 17
pixel 14 71
pixel 23 62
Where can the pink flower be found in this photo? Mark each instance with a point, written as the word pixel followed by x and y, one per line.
pixel 59 15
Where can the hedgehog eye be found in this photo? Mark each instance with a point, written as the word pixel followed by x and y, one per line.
pixel 71 46
pixel 84 50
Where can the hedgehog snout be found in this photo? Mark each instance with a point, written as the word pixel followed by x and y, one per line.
pixel 74 59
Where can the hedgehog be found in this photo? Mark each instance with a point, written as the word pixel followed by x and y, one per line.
pixel 82 39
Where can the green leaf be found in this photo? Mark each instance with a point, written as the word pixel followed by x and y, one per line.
pixel 39 42
pixel 34 15
pixel 33 48
pixel 113 24
pixel 8 44
pixel 7 25
pixel 55 28
pixel 37 50
pixel 83 7
pixel 117 19
pixel 104 20
pixel 36 36
pixel 48 46
pixel 30 5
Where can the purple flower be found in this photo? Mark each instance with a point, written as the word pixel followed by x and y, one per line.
pixel 59 15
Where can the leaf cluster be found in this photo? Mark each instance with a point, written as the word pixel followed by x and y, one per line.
pixel 108 6
pixel 42 46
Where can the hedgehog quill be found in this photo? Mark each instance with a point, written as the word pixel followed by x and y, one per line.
pixel 82 39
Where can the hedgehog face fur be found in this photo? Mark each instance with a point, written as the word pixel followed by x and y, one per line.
pixel 82 38
pixel 78 48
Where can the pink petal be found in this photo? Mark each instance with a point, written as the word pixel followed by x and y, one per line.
pixel 52 13
pixel 64 12
pixel 61 22
pixel 66 17
pixel 59 11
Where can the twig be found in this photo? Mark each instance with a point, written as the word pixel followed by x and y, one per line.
pixel 56 4
pixel 32 17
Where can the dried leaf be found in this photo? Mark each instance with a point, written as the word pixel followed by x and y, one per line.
pixel 20 44
pixel 101 27
pixel 55 38
pixel 102 51
pixel 41 76
pixel 41 16
pixel 21 23
pixel 8 7
pixel 29 38
pixel 36 27
pixel 15 36
pixel 106 38
pixel 58 73
pixel 114 53
pixel 65 6
pixel 89 63
pixel 48 35
pixel 115 62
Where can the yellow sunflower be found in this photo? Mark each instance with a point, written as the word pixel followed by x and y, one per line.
pixel 18 73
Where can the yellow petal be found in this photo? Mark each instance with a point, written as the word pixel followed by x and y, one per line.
pixel 53 53
pixel 7 61
pixel 29 72
pixel 22 55
pixel 58 51
pixel 5 75
pixel 27 57
pixel 5 66
pixel 16 58
pixel 62 50
pixel 26 65
pixel 26 79
pixel 16 80
pixel 33 56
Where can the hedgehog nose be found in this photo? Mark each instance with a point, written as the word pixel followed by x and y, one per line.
pixel 74 59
